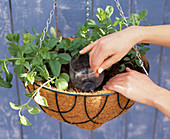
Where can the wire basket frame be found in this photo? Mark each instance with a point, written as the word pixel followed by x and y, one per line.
pixel 85 110
pixel 81 109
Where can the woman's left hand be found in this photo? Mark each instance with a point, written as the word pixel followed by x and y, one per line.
pixel 134 85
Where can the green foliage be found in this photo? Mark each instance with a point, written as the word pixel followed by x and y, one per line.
pixel 41 100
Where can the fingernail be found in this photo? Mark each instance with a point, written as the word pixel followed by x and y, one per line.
pixel 80 51
pixel 100 70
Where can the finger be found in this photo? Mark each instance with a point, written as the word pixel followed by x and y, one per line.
pixel 96 74
pixel 128 69
pixel 96 58
pixel 109 62
pixel 104 87
pixel 119 88
pixel 88 48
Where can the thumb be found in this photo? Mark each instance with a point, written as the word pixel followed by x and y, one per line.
pixel 115 87
pixel 118 88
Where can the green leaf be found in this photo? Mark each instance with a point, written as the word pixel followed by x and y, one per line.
pixel 53 42
pixel 64 56
pixel 9 37
pixel 19 69
pixel 18 62
pixel 74 52
pixel 68 44
pixel 30 77
pixel 29 94
pixel 134 19
pixel 28 38
pixel 4 84
pixel 100 14
pixel 123 67
pixel 37 60
pixel 37 78
pixel 41 100
pixel 61 45
pixel 16 37
pixel 33 29
pixel 22 75
pixel 29 48
pixel 13 50
pixel 137 62
pixel 145 49
pixel 142 14
pixel 33 110
pixel 15 106
pixel 27 64
pixel 9 75
pixel 61 84
pixel 43 71
pixel 91 23
pixel 53 32
pixel 109 11
pixel 100 11
pixel 64 76
pixel 24 121
pixel 55 67
pixel 126 59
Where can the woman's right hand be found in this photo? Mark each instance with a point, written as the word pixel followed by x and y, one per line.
pixel 111 48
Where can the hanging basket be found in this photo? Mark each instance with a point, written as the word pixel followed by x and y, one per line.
pixel 85 110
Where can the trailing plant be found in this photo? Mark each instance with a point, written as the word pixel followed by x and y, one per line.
pixel 34 63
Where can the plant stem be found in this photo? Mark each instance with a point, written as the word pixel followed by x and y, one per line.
pixel 34 93
pixel 17 58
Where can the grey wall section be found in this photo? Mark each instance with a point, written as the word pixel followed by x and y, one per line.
pixel 163 124
pixel 9 127
pixel 140 122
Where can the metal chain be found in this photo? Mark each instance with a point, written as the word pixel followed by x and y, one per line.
pixel 126 24
pixel 87 9
pixel 48 22
pixel 46 28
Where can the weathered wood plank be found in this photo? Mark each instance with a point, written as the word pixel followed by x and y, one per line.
pixel 116 128
pixel 141 119
pixel 25 15
pixel 9 127
pixel 70 15
pixel 163 123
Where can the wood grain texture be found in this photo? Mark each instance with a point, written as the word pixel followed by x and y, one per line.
pixel 141 120
pixel 9 127
pixel 163 123
pixel 70 15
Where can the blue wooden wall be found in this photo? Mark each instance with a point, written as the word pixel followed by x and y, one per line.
pixel 140 122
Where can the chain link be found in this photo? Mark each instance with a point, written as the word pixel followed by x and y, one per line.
pixel 126 24
pixel 48 22
pixel 87 9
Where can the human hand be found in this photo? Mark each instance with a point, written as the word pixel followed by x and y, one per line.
pixel 110 49
pixel 135 86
